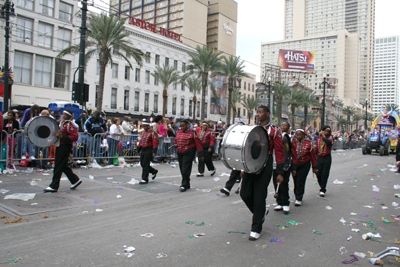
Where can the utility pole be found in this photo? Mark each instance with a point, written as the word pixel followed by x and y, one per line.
pixel 82 45
pixel 5 14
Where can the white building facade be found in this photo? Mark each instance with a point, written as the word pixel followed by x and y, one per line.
pixel 386 73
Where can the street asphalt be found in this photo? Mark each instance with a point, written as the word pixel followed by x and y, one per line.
pixel 91 225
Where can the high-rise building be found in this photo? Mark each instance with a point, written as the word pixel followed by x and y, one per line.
pixel 386 73
pixel 198 22
pixel 306 18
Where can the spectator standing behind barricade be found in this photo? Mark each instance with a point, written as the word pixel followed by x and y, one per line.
pixel 127 128
pixel 29 113
pixel 176 123
pixel 156 128
pixel 171 137
pixel 17 117
pixel 95 125
pixel 10 126
pixel 56 115
pixel 104 147
pixel 108 123
pixel 84 139
pixel 115 137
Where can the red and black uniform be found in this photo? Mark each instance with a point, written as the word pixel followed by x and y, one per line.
pixel 69 136
pixel 188 142
pixel 254 188
pixel 148 145
pixel 305 156
pixel 207 139
pixel 324 160
pixel 283 192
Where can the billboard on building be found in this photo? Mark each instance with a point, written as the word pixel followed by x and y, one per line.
pixel 293 60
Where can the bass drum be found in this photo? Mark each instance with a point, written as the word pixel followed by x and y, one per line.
pixel 41 131
pixel 287 151
pixel 245 148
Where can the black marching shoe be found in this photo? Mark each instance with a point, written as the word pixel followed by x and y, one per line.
pixel 254 236
pixel 143 182
pixel 182 189
pixel 200 175
pixel 154 175
pixel 213 172
pixel 75 185
pixel 49 189
pixel 225 191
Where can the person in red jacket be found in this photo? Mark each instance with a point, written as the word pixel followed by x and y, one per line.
pixel 305 154
pixel 254 187
pixel 324 159
pixel 187 141
pixel 207 138
pixel 68 134
pixel 148 149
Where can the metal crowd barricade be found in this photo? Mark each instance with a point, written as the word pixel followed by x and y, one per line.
pixel 4 150
pixel 165 149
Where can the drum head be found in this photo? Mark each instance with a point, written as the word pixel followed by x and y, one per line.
pixel 256 150
pixel 41 131
pixel 287 151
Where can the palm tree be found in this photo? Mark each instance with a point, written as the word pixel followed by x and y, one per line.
pixel 356 119
pixel 231 68
pixel 166 75
pixel 194 85
pixel 340 121
pixel 293 101
pixel 250 103
pixel 308 100
pixel 348 111
pixel 204 60
pixel 235 99
pixel 106 37
pixel 281 91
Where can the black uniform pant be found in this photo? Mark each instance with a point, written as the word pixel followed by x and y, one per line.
pixel 254 192
pixel 185 160
pixel 235 175
pixel 146 154
pixel 323 168
pixel 61 166
pixel 207 160
pixel 300 180
pixel 283 192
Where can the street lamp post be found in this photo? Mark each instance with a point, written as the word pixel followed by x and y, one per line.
pixel 269 92
pixel 323 101
pixel 366 115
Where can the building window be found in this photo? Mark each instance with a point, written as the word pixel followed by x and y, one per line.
pixel 190 108
pixel 175 86
pixel 114 98
pixel 61 76
pixel 146 102
pixel 176 64
pixel 65 12
pixel 157 62
pixel 166 61
pixel 45 35
pixel 28 4
pixel 43 71
pixel 182 106
pixel 174 106
pixel 22 67
pixel 252 87
pixel 127 72
pixel 126 100
pixel 182 86
pixel 114 68
pixel 137 75
pixel 46 7
pixel 244 86
pixel 198 109
pixel 148 57
pixel 183 67
pixel 147 77
pixel 24 30
pixel 163 3
pixel 136 107
pixel 64 38
pixel 98 67
pixel 155 104
pixel 155 81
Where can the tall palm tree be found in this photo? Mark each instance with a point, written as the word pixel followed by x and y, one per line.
pixel 194 84
pixel 235 99
pixel 250 103
pixel 232 68
pixel 308 100
pixel 166 75
pixel 356 119
pixel 340 121
pixel 204 60
pixel 348 111
pixel 294 103
pixel 281 91
pixel 106 37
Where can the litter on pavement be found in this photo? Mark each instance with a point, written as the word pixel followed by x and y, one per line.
pixel 21 196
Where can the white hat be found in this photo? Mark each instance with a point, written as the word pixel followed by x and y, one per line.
pixel 145 122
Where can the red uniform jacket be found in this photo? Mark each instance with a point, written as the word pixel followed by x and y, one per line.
pixel 275 142
pixel 324 146
pixel 69 132
pixel 187 140
pixel 307 152
pixel 208 138
pixel 148 139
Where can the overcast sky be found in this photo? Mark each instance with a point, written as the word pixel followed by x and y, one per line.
pixel 262 21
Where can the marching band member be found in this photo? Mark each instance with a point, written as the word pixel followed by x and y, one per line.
pixel 207 138
pixel 148 149
pixel 324 158
pixel 187 141
pixel 305 154
pixel 254 187
pixel 68 134
pixel 283 191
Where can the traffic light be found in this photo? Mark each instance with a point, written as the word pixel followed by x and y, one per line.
pixel 80 94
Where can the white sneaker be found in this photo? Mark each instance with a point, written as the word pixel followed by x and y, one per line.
pixel 254 236
pixel 286 209
pixel 32 158
pixel 23 157
pixel 278 208
pixel 321 194
pixel 297 203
